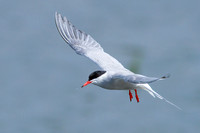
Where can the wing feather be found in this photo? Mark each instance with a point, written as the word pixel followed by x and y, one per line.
pixel 140 79
pixel 84 44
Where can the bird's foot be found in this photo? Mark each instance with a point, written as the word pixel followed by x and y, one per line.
pixel 130 95
pixel 136 95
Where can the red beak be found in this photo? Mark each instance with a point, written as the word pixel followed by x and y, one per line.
pixel 87 83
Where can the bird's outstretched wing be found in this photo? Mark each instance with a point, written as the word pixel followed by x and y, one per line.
pixel 84 44
pixel 140 79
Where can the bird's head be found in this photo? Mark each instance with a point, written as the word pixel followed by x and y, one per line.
pixel 93 77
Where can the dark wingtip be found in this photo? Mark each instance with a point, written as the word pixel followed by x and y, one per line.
pixel 166 76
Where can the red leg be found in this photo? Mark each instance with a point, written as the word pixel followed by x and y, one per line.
pixel 136 96
pixel 130 95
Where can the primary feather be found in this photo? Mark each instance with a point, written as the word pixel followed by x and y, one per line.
pixel 84 44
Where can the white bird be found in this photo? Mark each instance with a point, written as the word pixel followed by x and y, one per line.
pixel 113 75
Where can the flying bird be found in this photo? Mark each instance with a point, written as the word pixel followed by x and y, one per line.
pixel 113 75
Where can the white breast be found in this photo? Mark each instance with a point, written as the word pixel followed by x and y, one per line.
pixel 114 84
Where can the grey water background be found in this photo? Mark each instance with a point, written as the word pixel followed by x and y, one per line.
pixel 40 76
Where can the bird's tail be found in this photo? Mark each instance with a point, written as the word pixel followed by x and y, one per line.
pixel 155 94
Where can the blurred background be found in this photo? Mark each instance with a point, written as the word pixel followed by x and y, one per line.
pixel 40 76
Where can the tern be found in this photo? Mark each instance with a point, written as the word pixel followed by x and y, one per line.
pixel 113 75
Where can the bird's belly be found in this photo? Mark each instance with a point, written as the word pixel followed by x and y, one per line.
pixel 117 84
